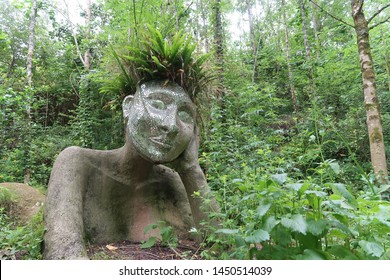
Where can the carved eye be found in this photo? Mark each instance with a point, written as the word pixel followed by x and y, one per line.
pixel 158 104
pixel 185 116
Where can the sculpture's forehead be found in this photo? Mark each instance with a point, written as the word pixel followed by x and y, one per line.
pixel 176 93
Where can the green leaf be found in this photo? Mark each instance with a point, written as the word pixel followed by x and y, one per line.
pixel 310 254
pixel 316 228
pixel 270 223
pixel 149 228
pixel 319 194
pixel 342 253
pixel 335 167
pixel 341 227
pixel 149 243
pixel 372 248
pixel 342 190
pixel 263 209
pixel 227 231
pixel 258 236
pixel 296 223
pixel 177 43
pixel 237 180
pixel 279 178
pixel 128 79
pixel 295 187
pixel 137 60
pixel 158 63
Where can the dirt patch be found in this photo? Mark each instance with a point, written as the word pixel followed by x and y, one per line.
pixel 126 250
pixel 27 201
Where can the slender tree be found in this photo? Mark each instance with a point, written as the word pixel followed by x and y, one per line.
pixel 30 55
pixel 218 32
pixel 302 9
pixel 87 54
pixel 373 120
pixel 288 55
pixel 204 30
pixel 315 29
pixel 31 41
pixel 386 60
pixel 249 5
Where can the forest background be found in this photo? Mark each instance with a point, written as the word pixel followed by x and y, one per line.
pixel 285 127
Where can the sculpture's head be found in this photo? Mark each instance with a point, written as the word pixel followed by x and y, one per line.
pixel 160 120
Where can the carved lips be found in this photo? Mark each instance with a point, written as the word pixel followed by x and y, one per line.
pixel 161 142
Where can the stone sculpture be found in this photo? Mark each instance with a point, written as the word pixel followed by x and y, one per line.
pixel 106 196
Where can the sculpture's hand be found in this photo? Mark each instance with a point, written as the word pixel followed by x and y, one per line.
pixel 194 181
pixel 189 158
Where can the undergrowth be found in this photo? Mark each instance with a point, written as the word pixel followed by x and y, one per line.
pixel 285 194
pixel 21 242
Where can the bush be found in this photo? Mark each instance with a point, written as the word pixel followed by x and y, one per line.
pixel 22 242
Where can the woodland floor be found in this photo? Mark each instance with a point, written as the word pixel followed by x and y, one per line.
pixel 126 250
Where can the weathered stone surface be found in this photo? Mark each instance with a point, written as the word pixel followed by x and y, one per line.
pixel 113 195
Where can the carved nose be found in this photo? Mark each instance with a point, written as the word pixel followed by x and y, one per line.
pixel 169 123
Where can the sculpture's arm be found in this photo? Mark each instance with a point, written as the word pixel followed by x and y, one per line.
pixel 199 196
pixel 64 208
pixel 195 183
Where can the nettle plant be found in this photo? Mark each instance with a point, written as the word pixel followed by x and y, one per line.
pixel 274 218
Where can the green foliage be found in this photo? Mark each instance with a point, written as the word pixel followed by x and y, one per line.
pixel 165 56
pixel 168 236
pixel 7 199
pixel 282 194
pixel 21 241
pixel 281 219
pixel 98 121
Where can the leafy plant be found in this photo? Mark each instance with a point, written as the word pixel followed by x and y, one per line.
pixel 22 241
pixel 165 57
pixel 168 236
pixel 7 198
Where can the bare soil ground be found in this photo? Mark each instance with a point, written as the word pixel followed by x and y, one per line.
pixel 126 250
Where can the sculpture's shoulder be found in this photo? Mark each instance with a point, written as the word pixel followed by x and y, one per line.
pixel 71 155
pixel 74 158
pixel 82 160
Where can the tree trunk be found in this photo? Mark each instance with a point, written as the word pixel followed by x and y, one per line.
pixel 204 30
pixel 31 41
pixel 251 26
pixel 386 59
pixel 29 66
pixel 253 38
pixel 307 47
pixel 288 55
pixel 218 35
pixel 87 54
pixel 315 29
pixel 374 125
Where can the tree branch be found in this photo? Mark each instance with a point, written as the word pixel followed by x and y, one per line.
pixel 378 12
pixel 379 23
pixel 361 5
pixel 332 16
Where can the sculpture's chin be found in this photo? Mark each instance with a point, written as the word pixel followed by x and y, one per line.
pixel 151 154
pixel 158 158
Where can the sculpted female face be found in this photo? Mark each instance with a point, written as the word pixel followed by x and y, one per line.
pixel 160 121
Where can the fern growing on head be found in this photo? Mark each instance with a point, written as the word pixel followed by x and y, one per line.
pixel 159 57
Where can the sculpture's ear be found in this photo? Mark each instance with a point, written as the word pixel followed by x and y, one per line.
pixel 126 105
